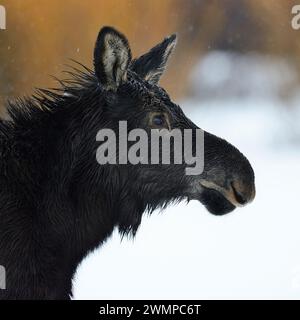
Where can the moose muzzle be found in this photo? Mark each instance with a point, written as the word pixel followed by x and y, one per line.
pixel 227 181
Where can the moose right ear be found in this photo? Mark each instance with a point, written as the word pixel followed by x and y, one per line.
pixel 152 64
pixel 112 56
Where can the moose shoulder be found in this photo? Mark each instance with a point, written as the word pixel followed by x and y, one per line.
pixel 57 202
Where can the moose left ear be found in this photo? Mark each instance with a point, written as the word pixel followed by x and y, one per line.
pixel 152 64
pixel 112 56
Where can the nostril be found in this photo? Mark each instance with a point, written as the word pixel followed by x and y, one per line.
pixel 238 196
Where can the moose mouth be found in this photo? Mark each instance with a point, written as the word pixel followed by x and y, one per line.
pixel 219 200
pixel 215 202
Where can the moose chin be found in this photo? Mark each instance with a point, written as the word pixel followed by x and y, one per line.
pixel 57 203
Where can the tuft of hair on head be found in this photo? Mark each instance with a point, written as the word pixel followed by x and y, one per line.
pixel 112 56
pixel 152 64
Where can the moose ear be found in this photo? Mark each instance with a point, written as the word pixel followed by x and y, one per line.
pixel 152 64
pixel 112 56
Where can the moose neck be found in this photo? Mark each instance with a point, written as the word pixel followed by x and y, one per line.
pixel 83 194
pixel 76 197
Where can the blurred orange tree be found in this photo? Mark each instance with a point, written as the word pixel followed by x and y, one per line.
pixel 42 34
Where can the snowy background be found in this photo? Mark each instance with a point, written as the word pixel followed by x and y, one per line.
pixel 236 71
pixel 252 253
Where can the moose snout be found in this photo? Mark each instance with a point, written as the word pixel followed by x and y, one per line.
pixel 227 172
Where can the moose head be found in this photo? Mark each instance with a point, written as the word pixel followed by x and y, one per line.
pixel 132 94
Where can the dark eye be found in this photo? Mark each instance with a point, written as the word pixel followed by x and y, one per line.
pixel 158 120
